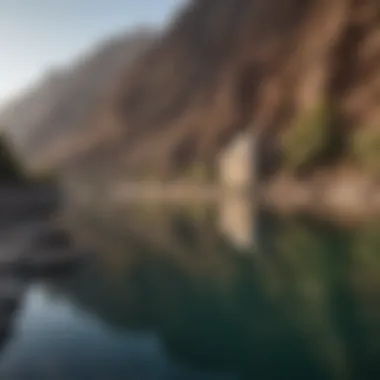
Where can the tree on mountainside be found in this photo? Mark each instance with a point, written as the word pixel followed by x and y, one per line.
pixel 10 171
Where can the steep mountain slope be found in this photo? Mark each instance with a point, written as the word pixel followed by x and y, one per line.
pixel 45 124
pixel 225 65
pixel 310 67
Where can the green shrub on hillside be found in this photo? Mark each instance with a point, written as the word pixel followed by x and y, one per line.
pixel 11 169
pixel 43 176
pixel 365 148
pixel 308 139
pixel 198 172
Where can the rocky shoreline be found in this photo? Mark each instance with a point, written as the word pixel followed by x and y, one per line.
pixel 31 240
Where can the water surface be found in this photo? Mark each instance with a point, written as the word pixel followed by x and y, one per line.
pixel 179 294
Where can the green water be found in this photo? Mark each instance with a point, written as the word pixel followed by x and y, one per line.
pixel 171 295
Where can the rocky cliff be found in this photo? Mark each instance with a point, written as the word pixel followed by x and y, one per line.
pixel 304 73
pixel 310 67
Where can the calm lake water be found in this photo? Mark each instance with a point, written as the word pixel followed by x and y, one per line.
pixel 203 294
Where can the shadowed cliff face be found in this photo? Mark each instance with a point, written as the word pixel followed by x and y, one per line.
pixel 225 65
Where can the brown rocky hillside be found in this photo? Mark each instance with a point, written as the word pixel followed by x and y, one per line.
pixel 305 73
pixel 226 65
pixel 47 123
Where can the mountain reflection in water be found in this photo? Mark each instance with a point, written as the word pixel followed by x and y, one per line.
pixel 168 295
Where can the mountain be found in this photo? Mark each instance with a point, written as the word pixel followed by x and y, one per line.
pixel 307 67
pixel 304 73
pixel 46 123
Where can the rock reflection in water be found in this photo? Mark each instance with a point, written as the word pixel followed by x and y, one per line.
pixel 305 306
pixel 238 221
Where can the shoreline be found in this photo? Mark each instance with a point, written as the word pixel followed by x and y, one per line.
pixel 341 198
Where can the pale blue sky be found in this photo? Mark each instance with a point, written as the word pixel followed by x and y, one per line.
pixel 34 34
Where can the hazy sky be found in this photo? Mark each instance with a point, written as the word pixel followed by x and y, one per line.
pixel 36 33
